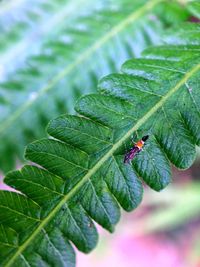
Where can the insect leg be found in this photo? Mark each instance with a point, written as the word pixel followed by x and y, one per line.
pixel 132 140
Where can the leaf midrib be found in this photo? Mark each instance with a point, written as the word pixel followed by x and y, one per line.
pixel 92 171
pixel 86 54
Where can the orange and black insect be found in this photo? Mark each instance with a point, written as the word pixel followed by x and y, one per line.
pixel 135 149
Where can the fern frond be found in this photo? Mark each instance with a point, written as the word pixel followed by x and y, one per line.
pixel 63 45
pixel 83 176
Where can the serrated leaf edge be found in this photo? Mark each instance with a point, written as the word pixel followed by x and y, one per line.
pixel 103 159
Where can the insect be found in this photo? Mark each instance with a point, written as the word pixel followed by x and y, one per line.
pixel 135 149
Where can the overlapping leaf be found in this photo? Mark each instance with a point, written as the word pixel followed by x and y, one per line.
pixel 47 54
pixel 83 177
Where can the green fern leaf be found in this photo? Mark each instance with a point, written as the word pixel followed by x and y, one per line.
pixel 83 177
pixel 47 77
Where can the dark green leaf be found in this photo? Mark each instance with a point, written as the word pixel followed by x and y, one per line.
pixel 81 174
pixel 47 55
